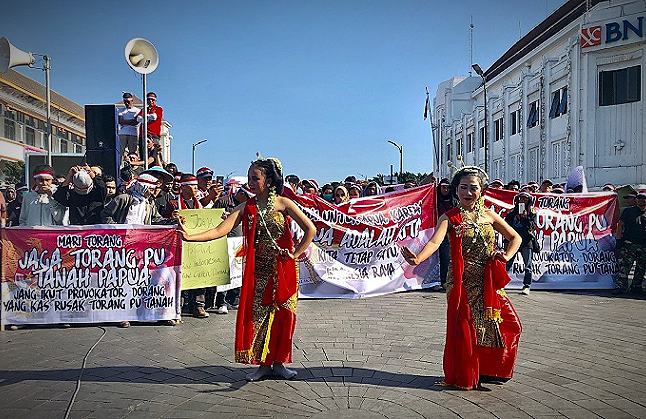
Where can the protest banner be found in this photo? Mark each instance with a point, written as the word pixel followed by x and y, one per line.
pixel 356 250
pixel 89 274
pixel 576 236
pixel 204 264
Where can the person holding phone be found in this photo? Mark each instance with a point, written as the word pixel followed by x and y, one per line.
pixel 522 218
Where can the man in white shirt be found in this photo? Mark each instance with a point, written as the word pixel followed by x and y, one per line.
pixel 128 127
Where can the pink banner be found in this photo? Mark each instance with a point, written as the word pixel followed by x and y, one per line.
pixel 90 274
pixel 356 250
pixel 576 234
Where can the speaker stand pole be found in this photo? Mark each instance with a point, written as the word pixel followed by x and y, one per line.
pixel 145 139
pixel 48 99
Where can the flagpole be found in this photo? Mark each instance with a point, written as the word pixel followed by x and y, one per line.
pixel 428 112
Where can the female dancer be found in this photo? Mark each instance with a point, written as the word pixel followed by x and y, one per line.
pixel 482 328
pixel 268 297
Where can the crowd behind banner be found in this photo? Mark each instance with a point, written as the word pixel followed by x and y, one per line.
pixel 361 227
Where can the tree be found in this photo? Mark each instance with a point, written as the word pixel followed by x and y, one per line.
pixel 14 171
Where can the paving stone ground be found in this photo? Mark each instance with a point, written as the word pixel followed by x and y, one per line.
pixel 582 355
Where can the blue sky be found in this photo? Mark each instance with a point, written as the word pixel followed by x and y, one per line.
pixel 321 85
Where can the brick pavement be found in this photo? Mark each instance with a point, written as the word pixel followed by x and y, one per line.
pixel 581 356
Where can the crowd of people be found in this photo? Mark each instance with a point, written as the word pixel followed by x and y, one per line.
pixel 480 346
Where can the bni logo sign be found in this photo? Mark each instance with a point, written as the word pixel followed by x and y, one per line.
pixel 590 36
pixel 630 29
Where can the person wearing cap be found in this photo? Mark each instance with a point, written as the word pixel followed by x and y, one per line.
pixel 630 199
pixel 207 191
pixel 155 114
pixel 558 190
pixel 546 186
pixel 609 187
pixel 496 184
pixel 39 208
pixel 631 246
pixel 134 206
pixel 522 218
pixel 128 126
pixel 83 193
pixel 309 186
pixel 161 195
pixel 444 203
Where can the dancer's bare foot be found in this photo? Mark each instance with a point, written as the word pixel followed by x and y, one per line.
pixel 279 369
pixel 259 373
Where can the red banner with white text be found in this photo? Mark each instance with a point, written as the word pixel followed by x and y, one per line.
pixel 356 250
pixel 90 274
pixel 576 236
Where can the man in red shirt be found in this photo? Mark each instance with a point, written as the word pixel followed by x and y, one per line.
pixel 155 114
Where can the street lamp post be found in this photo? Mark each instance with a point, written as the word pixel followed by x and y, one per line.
pixel 480 73
pixel 195 145
pixel 11 56
pixel 401 156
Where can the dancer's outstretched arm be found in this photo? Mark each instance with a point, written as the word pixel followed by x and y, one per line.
pixel 432 245
pixel 215 233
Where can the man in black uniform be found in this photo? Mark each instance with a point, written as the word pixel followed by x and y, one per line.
pixel 631 246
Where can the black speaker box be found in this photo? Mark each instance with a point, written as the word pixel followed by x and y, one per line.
pixel 102 139
pixel 107 158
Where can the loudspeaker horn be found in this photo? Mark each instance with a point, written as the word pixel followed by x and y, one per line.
pixel 11 56
pixel 141 55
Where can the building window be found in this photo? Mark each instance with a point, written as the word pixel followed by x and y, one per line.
pixel 63 145
pixel 470 142
pixel 532 119
pixel 30 136
pixel 497 168
pixel 559 103
pixel 9 128
pixel 498 129
pixel 515 122
pixel 620 86
pixel 42 125
pixel 482 137
pixel 532 172
pixel 20 117
pixel 448 151
pixel 514 162
pixel 458 151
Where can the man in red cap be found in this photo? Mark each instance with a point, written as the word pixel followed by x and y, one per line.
pixel 496 184
pixel 207 191
pixel 631 246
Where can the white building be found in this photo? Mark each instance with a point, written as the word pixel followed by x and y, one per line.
pixel 23 120
pixel 569 93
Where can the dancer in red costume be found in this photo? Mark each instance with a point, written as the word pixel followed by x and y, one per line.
pixel 268 298
pixel 483 329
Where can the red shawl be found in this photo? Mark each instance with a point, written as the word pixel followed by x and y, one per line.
pixel 279 288
pixel 464 361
